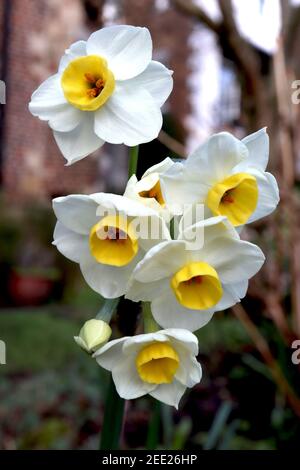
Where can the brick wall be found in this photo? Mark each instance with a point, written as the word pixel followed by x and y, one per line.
pixel 33 165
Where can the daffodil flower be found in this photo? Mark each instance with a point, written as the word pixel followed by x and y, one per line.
pixel 162 364
pixel 102 232
pixel 147 190
pixel 227 176
pixel 185 287
pixel 107 89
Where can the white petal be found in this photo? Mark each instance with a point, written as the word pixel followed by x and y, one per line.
pixel 77 212
pixel 130 187
pixel 238 289
pixel 170 394
pixel 135 343
pixel 108 356
pixel 49 104
pixel 217 157
pixel 185 338
pixel 160 167
pixel 268 195
pixel 152 231
pixel 189 372
pixel 205 232
pixel 65 119
pixel 129 117
pixel 78 49
pixel 182 185
pixel 157 79
pixel 127 381
pixel 80 142
pixel 48 95
pixel 127 49
pixel 109 281
pixel 168 313
pixel 70 244
pixel 135 187
pixel 122 204
pixel 234 260
pixel 161 261
pixel 145 291
pixel 232 294
pixel 258 146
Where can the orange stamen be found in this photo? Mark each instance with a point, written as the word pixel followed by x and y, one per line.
pixel 90 78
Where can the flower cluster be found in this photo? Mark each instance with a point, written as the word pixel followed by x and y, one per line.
pixel 152 244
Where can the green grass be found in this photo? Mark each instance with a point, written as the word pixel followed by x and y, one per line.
pixel 36 340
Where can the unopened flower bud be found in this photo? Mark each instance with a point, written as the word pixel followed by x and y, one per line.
pixel 94 334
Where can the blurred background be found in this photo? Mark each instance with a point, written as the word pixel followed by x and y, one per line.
pixel 235 64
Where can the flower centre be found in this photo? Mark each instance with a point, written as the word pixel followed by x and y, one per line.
pixel 235 197
pixel 157 363
pixel 154 192
pixel 87 82
pixel 113 241
pixel 197 286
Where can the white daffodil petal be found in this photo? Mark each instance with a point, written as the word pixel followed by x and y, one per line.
pixel 108 356
pixel 161 261
pixel 129 117
pixel 258 146
pixel 49 104
pixel 234 260
pixel 160 167
pixel 130 187
pixel 184 338
pixel 153 230
pixel 132 190
pixel 150 181
pixel 145 291
pixel 80 142
pixel 127 381
pixel 232 294
pixel 70 244
pixel 168 313
pixel 170 394
pixel 238 289
pixel 121 204
pixel 109 281
pixel 156 79
pixel 268 195
pixel 190 371
pixel 181 186
pixel 65 119
pixel 205 231
pixel 127 49
pixel 47 96
pixel 78 49
pixel 77 212
pixel 135 343
pixel 217 157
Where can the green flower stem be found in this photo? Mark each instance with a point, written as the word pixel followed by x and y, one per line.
pixel 107 310
pixel 154 427
pixel 150 325
pixel 114 405
pixel 133 160
pixel 113 419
